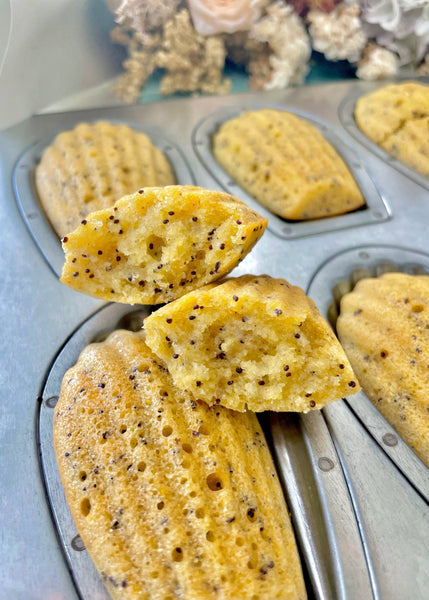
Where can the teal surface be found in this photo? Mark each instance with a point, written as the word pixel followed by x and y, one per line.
pixel 321 71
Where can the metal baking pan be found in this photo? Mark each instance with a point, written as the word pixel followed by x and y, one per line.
pixel 360 512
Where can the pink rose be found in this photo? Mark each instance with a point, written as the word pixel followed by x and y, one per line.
pixel 224 16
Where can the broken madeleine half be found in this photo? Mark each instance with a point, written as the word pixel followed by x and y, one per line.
pixel 172 498
pixel 159 243
pixel 251 342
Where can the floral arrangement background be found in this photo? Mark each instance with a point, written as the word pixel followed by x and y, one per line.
pixel 190 41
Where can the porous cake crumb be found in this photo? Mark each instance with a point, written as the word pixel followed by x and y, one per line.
pixel 251 342
pixel 159 243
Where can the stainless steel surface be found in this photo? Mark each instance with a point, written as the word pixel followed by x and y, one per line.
pixel 393 519
pixel 39 315
pixel 320 502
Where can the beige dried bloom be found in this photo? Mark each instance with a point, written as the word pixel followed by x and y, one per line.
pixel 144 15
pixel 423 68
pixel 194 63
pixel 242 49
pixel 138 67
pixel 284 32
pixel 377 63
pixel 338 34
pixel 211 17
pixel 260 71
pixel 245 51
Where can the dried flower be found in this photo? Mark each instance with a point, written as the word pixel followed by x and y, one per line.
pixel 284 33
pixel 399 25
pixel 142 15
pixel 138 66
pixel 193 62
pixel 339 34
pixel 224 16
pixel 423 68
pixel 301 7
pixel 377 63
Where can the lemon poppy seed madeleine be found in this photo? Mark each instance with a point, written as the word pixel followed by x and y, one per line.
pixel 172 498
pixel 384 111
pixel 159 243
pixel 251 342
pixel 384 328
pixel 91 166
pixel 286 164
pixel 396 117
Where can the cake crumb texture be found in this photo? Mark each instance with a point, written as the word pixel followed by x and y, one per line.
pixel 173 499
pixel 159 243
pixel 286 164
pixel 251 342
pixel 384 328
pixel 396 117
pixel 93 165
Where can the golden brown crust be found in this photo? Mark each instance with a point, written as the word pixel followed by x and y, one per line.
pixel 396 117
pixel 384 329
pixel 286 164
pixel 251 341
pixel 89 167
pixel 159 243
pixel 172 499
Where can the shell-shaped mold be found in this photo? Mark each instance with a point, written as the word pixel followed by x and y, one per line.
pixel 294 168
pixel 91 166
pixel 336 279
pixel 58 181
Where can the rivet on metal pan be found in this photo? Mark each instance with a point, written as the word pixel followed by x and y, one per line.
pixel 363 254
pixel 77 543
pixel 51 402
pixel 287 230
pixel 325 463
pixel 390 439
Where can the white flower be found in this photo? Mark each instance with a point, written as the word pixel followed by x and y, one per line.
pixel 338 34
pixel 377 63
pixel 224 16
pixel 399 25
pixel 288 40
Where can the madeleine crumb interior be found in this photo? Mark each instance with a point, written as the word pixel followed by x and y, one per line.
pixel 159 243
pixel 251 342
